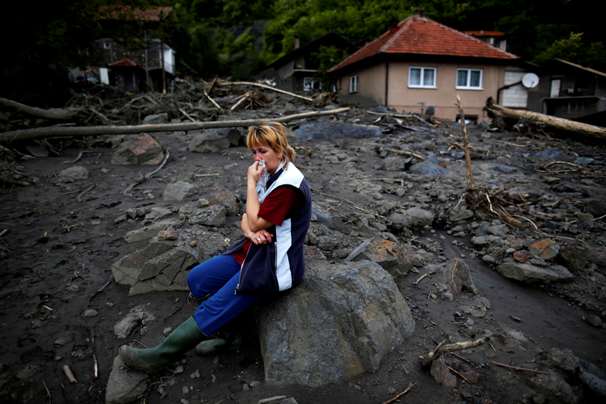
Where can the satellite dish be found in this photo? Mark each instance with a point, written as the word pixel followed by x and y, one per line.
pixel 530 80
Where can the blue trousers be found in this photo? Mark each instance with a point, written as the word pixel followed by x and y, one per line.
pixel 217 276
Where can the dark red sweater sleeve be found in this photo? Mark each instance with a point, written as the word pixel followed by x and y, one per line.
pixel 278 204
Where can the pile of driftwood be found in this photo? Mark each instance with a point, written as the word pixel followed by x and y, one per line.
pixel 199 104
pixel 105 110
pixel 541 120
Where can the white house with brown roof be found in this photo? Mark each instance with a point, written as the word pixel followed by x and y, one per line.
pixel 420 64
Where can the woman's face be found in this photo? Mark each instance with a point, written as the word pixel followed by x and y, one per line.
pixel 266 153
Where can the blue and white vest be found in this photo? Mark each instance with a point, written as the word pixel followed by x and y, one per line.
pixel 278 266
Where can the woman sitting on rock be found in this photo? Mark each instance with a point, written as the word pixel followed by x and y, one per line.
pixel 268 259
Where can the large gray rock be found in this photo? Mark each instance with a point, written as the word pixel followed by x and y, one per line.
pixel 124 386
pixel 75 173
pixel 395 258
pixel 148 232
pixel 339 323
pixel 177 191
pixel 213 215
pixel 413 217
pixel 158 267
pixel 528 273
pixel 215 140
pixel 335 129
pixel 142 149
pixel 138 315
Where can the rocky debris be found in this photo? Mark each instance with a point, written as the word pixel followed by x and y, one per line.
pixel 411 218
pixel 157 213
pixel 148 232
pixel 72 174
pixel 178 191
pixel 528 273
pixel 124 386
pixel 395 258
pixel 441 373
pixel 582 257
pixel 226 198
pixel 323 129
pixel 339 323
pixel 155 118
pixel 458 278
pixel 459 214
pixel 158 267
pixel 138 150
pixel 215 140
pixel 137 316
pixel 213 215
pixel 545 249
pixel 430 167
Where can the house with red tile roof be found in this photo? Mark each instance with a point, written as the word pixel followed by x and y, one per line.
pixel 421 63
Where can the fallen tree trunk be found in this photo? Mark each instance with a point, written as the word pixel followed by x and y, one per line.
pixel 83 131
pixel 265 86
pixel 57 114
pixel 551 121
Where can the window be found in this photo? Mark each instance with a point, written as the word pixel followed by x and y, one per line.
pixel 311 84
pixel 470 79
pixel 422 77
pixel 353 84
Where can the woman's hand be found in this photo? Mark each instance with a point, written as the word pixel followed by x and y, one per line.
pixel 254 171
pixel 260 237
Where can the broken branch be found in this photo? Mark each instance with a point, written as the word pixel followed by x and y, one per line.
pixel 57 114
pixel 400 394
pixel 466 147
pixel 84 131
pixel 265 86
pixel 455 346
pixel 517 368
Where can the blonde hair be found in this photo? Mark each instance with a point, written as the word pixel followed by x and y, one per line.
pixel 271 135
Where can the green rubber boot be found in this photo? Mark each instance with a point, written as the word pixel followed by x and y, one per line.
pixel 183 338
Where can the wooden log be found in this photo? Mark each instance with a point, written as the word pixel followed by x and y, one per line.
pixel 84 131
pixel 555 122
pixel 57 114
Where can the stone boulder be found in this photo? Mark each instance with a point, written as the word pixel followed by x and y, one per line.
pixel 177 191
pixel 158 267
pixel 141 149
pixel 395 258
pixel 124 386
pixel 72 174
pixel 339 323
pixel 215 140
pixel 413 217
pixel 335 129
pixel 528 273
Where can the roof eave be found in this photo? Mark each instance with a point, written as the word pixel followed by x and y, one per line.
pixel 383 56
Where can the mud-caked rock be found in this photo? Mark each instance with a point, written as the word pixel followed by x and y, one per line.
pixel 395 258
pixel 72 174
pixel 410 218
pixel 213 215
pixel 178 191
pixel 141 149
pixel 528 273
pixel 215 140
pixel 339 323
pixel 158 267
pixel 138 315
pixel 124 386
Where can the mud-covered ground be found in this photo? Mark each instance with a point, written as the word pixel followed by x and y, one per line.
pixel 58 241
